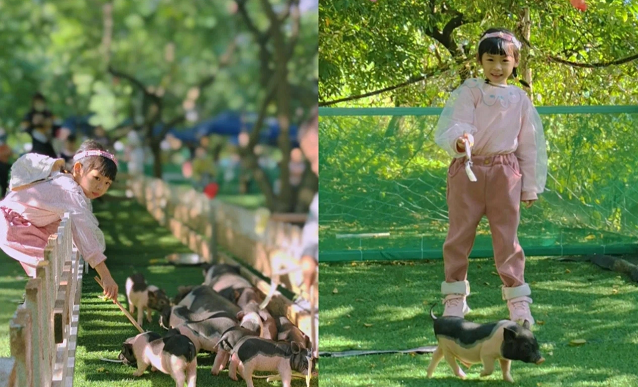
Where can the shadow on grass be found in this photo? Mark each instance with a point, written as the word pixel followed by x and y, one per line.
pixel 385 306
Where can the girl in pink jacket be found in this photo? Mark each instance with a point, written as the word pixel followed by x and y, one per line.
pixel 495 136
pixel 41 193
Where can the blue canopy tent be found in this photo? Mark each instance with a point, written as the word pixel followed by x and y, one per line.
pixel 230 124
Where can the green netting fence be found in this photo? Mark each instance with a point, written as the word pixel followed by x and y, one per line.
pixel 382 185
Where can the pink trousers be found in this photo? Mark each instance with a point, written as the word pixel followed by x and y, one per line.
pixel 22 240
pixel 496 194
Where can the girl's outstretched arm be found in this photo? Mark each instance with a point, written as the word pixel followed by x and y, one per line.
pixel 110 286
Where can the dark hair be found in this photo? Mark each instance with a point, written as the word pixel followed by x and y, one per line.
pixel 498 46
pixel 310 125
pixel 39 96
pixel 104 165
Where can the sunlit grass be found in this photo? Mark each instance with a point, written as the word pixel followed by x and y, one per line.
pixel 373 306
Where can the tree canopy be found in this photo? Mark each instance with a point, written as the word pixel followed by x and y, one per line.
pixel 419 50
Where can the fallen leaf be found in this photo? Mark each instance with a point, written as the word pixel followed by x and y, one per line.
pixel 494 273
pixel 577 342
pixel 335 291
pixel 614 291
pixel 367 325
pixel 486 283
pixel 353 264
pixel 349 316
pixel 358 299
pixel 101 369
pixel 540 322
pixel 346 327
pixel 567 271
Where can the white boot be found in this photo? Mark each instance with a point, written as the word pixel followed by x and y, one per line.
pixel 518 301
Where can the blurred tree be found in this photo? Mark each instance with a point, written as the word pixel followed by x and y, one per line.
pixel 157 65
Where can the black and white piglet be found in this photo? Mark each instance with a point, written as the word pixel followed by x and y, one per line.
pixel 257 354
pixel 473 343
pixel 174 354
pixel 144 297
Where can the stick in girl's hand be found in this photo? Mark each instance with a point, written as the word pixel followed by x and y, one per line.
pixel 126 313
pixel 468 163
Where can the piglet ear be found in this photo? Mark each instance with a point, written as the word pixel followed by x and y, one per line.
pixel 264 314
pixel 509 334
pixel 526 324
pixel 295 347
pixel 240 315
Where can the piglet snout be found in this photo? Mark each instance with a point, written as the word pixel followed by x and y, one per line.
pixel 540 361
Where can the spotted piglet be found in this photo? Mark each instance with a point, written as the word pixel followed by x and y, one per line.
pixel 473 343
pixel 144 297
pixel 257 354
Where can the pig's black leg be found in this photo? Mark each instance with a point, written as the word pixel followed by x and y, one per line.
pixel 505 367
pixel 436 358
pixel 451 359
pixel 488 365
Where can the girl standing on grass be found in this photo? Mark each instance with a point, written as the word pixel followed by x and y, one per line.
pixel 505 164
pixel 41 192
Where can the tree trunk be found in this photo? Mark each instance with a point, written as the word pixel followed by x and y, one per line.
pixel 525 31
pixel 249 162
pixel 157 158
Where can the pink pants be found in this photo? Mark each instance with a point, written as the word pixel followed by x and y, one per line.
pixel 24 241
pixel 496 194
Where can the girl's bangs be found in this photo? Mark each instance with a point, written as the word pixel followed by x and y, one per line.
pixel 496 46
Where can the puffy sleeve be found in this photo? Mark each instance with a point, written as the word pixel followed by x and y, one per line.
pixel 29 168
pixel 532 152
pixel 86 232
pixel 310 233
pixel 456 119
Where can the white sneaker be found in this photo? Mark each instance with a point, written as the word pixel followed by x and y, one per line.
pixel 519 310
pixel 455 305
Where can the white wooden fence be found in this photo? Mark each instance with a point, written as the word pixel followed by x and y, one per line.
pixel 43 331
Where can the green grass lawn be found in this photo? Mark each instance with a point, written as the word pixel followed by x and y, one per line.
pixel 572 300
pixel 12 282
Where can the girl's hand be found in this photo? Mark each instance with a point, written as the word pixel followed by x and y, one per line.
pixel 110 287
pixel 460 142
pixel 528 203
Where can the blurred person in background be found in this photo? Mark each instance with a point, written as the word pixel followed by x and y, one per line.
pixel 5 162
pixel 68 150
pixel 203 168
pixel 38 122
pixel 135 154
